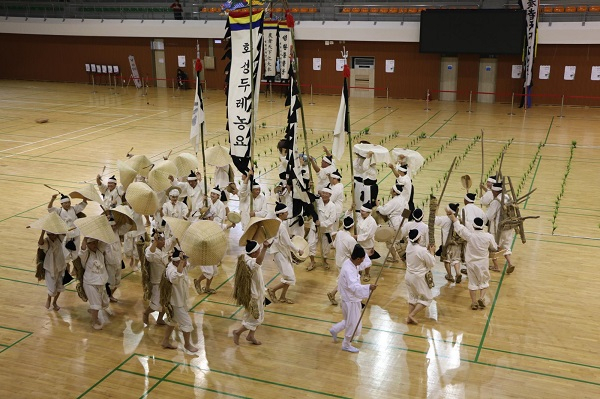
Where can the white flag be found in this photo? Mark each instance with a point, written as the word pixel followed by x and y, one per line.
pixel 197 116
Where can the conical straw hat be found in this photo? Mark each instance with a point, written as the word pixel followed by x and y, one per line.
pixel 142 198
pixel 140 163
pixel 178 226
pixel 126 173
pixel 122 215
pixel 260 230
pixel 185 163
pixel 217 156
pixel 205 243
pixel 87 192
pixel 51 223
pixel 158 178
pixel 96 227
pixel 413 159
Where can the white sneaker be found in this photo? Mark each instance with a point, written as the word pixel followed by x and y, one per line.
pixel 333 334
pixel 350 348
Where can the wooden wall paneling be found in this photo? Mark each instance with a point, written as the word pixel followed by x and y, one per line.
pixel 505 84
pixel 468 76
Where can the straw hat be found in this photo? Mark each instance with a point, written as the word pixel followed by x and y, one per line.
pixel 126 173
pixel 260 230
pixel 142 198
pixel 96 227
pixel 205 243
pixel 178 226
pixel 122 215
pixel 185 162
pixel 158 178
pixel 52 223
pixel 217 156
pixel 87 192
pixel 384 234
pixel 168 190
pixel 140 163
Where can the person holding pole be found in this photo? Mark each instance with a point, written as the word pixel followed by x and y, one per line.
pixel 419 260
pixel 352 292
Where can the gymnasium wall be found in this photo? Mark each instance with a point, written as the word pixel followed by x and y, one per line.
pixel 53 57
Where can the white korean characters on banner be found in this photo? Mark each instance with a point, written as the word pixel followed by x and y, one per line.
pixel 570 72
pixel 544 72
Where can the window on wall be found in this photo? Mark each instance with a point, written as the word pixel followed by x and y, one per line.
pixel 363 62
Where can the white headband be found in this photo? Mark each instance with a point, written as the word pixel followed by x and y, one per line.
pixel 365 209
pixel 174 193
pixel 448 209
pixel 336 176
pixel 215 191
pixel 490 180
pixel 284 210
pixel 255 186
pixel 190 178
pixel 326 190
pixel 496 188
pixel 256 247
pixel 327 160
pixel 66 199
pixel 111 180
pixel 400 168
pixel 417 237
pixel 468 199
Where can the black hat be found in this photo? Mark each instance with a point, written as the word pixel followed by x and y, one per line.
pixel 417 214
pixel 64 198
pixel 358 252
pixel 454 207
pixel 176 254
pixel 280 208
pixel 112 179
pixel 414 235
pixel 251 246
pixel 478 224
pixel 192 176
pixel 348 222
pixel 367 207
pixel 497 187
pixel 470 197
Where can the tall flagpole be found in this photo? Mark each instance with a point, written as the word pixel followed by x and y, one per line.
pixel 347 123
pixel 201 126
pixel 252 108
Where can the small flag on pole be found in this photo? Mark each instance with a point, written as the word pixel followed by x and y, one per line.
pixel 342 124
pixel 198 113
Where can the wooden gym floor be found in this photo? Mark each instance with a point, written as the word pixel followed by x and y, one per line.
pixel 537 338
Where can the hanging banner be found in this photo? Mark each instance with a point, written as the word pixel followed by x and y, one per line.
pixel 285 43
pixel 241 105
pixel 531 17
pixel 134 72
pixel 270 32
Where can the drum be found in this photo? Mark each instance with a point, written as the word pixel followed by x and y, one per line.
pixel 380 153
pixel 234 217
pixel 384 234
pixel 302 244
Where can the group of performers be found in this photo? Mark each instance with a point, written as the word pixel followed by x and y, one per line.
pixel 315 219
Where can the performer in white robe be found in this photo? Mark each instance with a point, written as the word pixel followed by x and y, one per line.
pixel 54 266
pixel 366 227
pixel 177 273
pixel 323 172
pixel 193 190
pixel 223 178
pixel 68 213
pixel 113 256
pixel 209 272
pixel 471 211
pixel 369 175
pixel 259 201
pixel 112 194
pixel 417 223
pixel 216 209
pixel 450 250
pixel 419 260
pixel 488 196
pixel 130 238
pixel 281 248
pixel 479 244
pixel 352 293
pixel 344 244
pixel 327 220
pixel 253 258
pixel 359 171
pixel 157 256
pixel 393 210
pixel 403 178
pixel 337 194
pixel 94 279
pixel 506 236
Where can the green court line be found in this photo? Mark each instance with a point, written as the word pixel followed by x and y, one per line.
pixel 106 376
pixel 30 283
pixel 549 128
pixel 20 213
pixel 3 345
pixel 443 124
pixel 17 268
pixel 538 373
pixel 207 295
pixel 569 243
pixel 16 342
pixel 423 124
pixel 246 378
pixel 158 382
pixel 543 358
